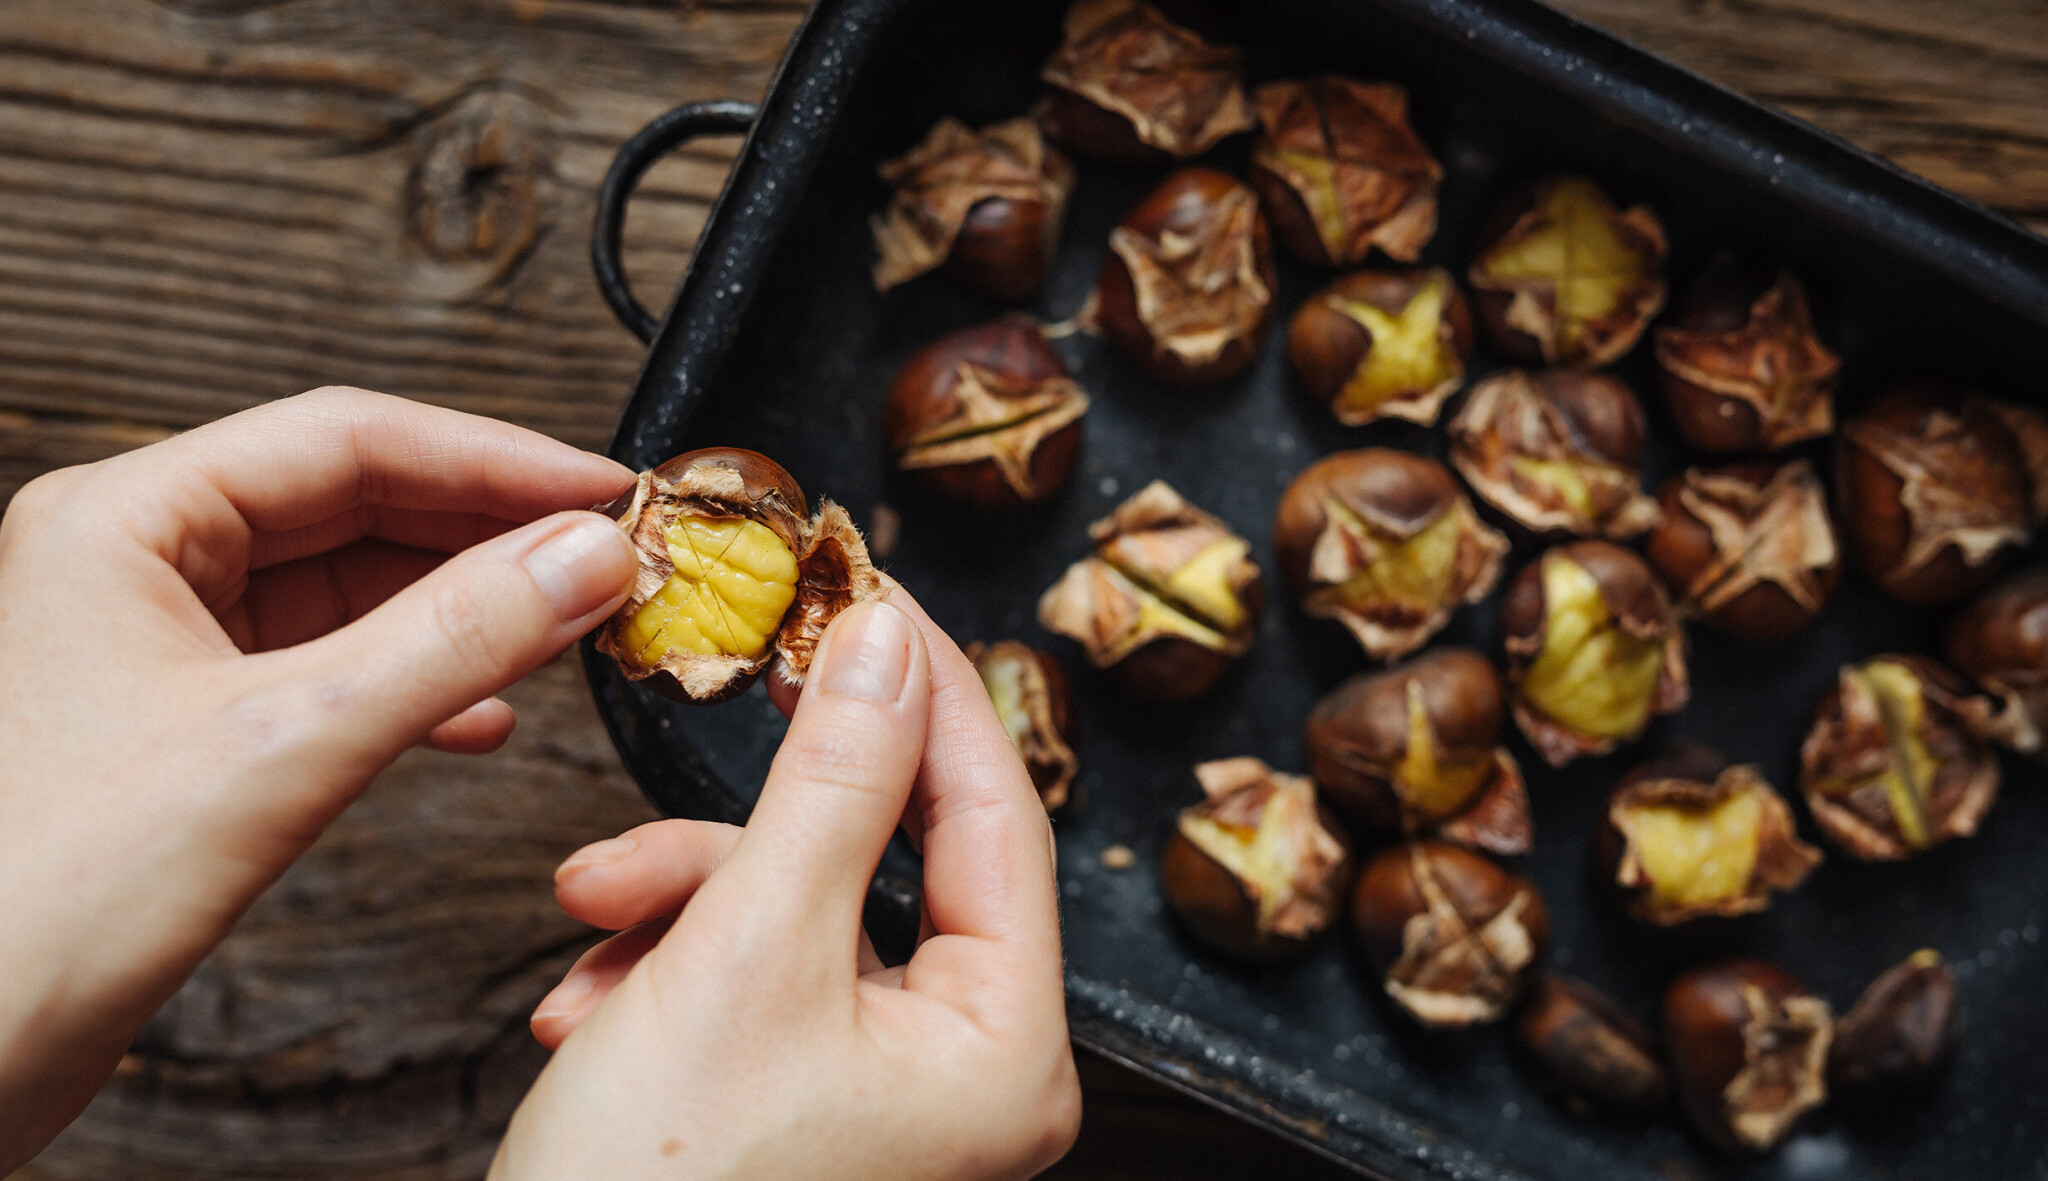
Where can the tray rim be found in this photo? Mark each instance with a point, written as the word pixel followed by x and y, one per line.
pixel 1992 255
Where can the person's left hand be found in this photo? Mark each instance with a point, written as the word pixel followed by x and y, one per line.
pixel 209 646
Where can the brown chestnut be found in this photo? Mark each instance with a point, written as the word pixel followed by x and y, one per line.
pixel 2000 641
pixel 1749 1046
pixel 987 416
pixel 1454 935
pixel 1747 548
pixel 2029 430
pixel 1383 344
pixel 1257 870
pixel 1032 702
pixel 1687 837
pixel 1416 750
pixel 1187 287
pixel 1340 171
pixel 733 572
pixel 1894 763
pixel 1564 278
pixel 1593 650
pixel 1383 542
pixel 1741 366
pixel 1130 86
pixel 1558 452
pixel 986 205
pixel 1593 1053
pixel 1932 493
pixel 1894 1041
pixel 1168 600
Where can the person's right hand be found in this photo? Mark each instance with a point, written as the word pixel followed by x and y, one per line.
pixel 740 1026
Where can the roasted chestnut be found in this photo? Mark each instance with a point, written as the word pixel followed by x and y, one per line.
pixel 2000 641
pixel 1687 836
pixel 1340 171
pixel 1416 750
pixel 987 416
pixel 1893 763
pixel 1558 452
pixel 1749 1046
pixel 2029 430
pixel 1130 86
pixel 986 205
pixel 1932 493
pixel 1187 287
pixel 733 571
pixel 1747 548
pixel 1589 1050
pixel 1257 870
pixel 1593 650
pixel 1454 935
pixel 1895 1040
pixel 1383 344
pixel 1167 601
pixel 1741 367
pixel 1564 278
pixel 1383 542
pixel 1030 695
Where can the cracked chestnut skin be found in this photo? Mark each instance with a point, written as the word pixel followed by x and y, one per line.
pixel 1471 894
pixel 1716 1017
pixel 1049 757
pixel 925 395
pixel 1359 739
pixel 1944 525
pixel 1185 203
pixel 1586 419
pixel 1684 549
pixel 1381 179
pixel 2000 641
pixel 1328 347
pixel 1590 1050
pixel 1893 1043
pixel 1740 364
pixel 1156 66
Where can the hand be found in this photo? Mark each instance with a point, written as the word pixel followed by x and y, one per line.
pixel 741 1026
pixel 211 645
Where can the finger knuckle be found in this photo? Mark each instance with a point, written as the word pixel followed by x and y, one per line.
pixel 842 754
pixel 463 621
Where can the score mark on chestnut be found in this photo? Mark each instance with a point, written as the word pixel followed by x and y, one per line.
pixel 986 205
pixel 1564 278
pixel 1031 699
pixel 987 416
pixel 1130 86
pixel 1454 935
pixel 1340 171
pixel 1558 452
pixel 2000 641
pixel 1741 367
pixel 1383 344
pixel 1748 547
pixel 732 574
pixel 1749 1045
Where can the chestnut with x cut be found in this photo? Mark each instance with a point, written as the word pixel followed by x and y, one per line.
pixel 1558 453
pixel 2000 641
pixel 1129 86
pixel 1383 344
pixel 1564 278
pixel 986 205
pixel 1454 935
pixel 1747 548
pixel 1741 366
pixel 1030 695
pixel 1340 171
pixel 1749 1045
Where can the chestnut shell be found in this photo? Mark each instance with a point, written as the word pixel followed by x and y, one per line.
pixel 1493 303
pixel 1388 895
pixel 1727 303
pixel 2000 641
pixel 1705 1014
pixel 1327 347
pixel 1215 907
pixel 1682 547
pixel 1589 1049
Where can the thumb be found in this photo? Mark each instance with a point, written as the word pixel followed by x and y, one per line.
pixel 479 622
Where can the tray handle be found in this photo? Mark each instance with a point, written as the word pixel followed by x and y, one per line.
pixel 669 131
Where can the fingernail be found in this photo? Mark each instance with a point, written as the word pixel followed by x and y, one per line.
pixel 867 654
pixel 567 997
pixel 581 566
pixel 603 852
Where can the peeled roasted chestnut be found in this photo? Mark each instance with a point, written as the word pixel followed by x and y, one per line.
pixel 1416 750
pixel 1383 542
pixel 1894 1041
pixel 1383 344
pixel 1749 1046
pixel 1340 171
pixel 1564 278
pixel 733 571
pixel 1187 287
pixel 1748 548
pixel 1741 366
pixel 2000 641
pixel 1687 836
pixel 1167 601
pixel 1258 869
pixel 1593 650
pixel 1591 1051
pixel 987 416
pixel 1454 935
pixel 1031 699
pixel 986 205
pixel 1893 763
pixel 1130 86
pixel 1932 493
pixel 1558 452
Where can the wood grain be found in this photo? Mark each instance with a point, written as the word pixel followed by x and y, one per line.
pixel 205 204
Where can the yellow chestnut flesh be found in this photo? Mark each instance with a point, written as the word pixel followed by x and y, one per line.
pixel 1590 675
pixel 1696 856
pixel 1416 573
pixel 1264 858
pixel 733 582
pixel 1203 583
pixel 1004 680
pixel 1432 787
pixel 1408 349
pixel 1579 251
pixel 1909 778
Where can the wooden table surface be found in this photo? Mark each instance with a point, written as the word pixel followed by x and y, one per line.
pixel 205 204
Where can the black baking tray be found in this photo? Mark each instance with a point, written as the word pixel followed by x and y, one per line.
pixel 776 341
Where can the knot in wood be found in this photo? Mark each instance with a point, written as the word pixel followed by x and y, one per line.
pixel 475 200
